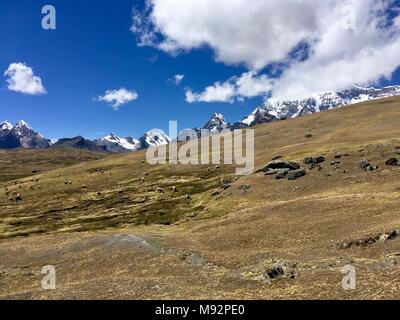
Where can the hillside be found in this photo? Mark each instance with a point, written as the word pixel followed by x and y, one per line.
pixel 19 163
pixel 117 228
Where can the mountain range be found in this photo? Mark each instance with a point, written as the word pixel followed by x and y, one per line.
pixel 21 135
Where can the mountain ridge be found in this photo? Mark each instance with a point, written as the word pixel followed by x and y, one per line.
pixel 21 135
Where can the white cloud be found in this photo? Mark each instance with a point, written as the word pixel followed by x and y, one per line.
pixel 218 92
pixel 350 42
pixel 22 79
pixel 117 98
pixel 178 78
pixel 248 85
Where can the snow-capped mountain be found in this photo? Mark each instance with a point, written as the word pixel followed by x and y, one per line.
pixel 217 123
pixel 6 126
pixel 7 139
pixel 21 135
pixel 113 143
pixel 154 138
pixel 277 110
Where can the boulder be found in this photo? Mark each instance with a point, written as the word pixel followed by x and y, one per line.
pixel 281 164
pixel 365 165
pixel 314 161
pixel 296 174
pixel 281 173
pixel 392 162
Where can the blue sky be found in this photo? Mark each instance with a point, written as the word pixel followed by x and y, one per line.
pixel 93 50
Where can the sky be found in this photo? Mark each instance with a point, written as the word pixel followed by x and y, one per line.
pixel 128 66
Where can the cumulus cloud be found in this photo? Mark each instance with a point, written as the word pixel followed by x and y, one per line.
pixel 248 85
pixel 22 79
pixel 346 42
pixel 117 98
pixel 218 92
pixel 178 78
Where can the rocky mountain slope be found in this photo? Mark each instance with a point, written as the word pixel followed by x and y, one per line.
pixel 77 143
pixel 21 135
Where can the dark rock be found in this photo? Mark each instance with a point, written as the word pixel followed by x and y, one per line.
pixel 245 187
pixel 276 158
pixel 214 193
pixel 392 162
pixel 314 161
pixel 308 136
pixel 282 173
pixel 338 155
pixel 281 164
pixel 336 162
pixel 296 174
pixel 365 165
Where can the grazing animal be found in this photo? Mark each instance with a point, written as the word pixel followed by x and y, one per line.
pixel 159 190
pixel 11 199
pixel 188 199
pixel 174 189
pixel 18 198
pixel 84 187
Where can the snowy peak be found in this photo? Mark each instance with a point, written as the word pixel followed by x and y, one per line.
pixel 217 123
pixel 20 135
pixel 5 125
pixel 278 110
pixel 154 138
pixel 113 143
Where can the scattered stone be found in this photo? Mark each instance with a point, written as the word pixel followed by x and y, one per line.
pixel 282 270
pixel 365 165
pixel 83 187
pixel 314 161
pixel 296 174
pixel 308 136
pixel 383 237
pixel 217 168
pixel 174 189
pixel 392 162
pixel 214 193
pixel 99 194
pixel 338 155
pixel 295 189
pixel 160 190
pixel 336 162
pixel 225 186
pixel 245 187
